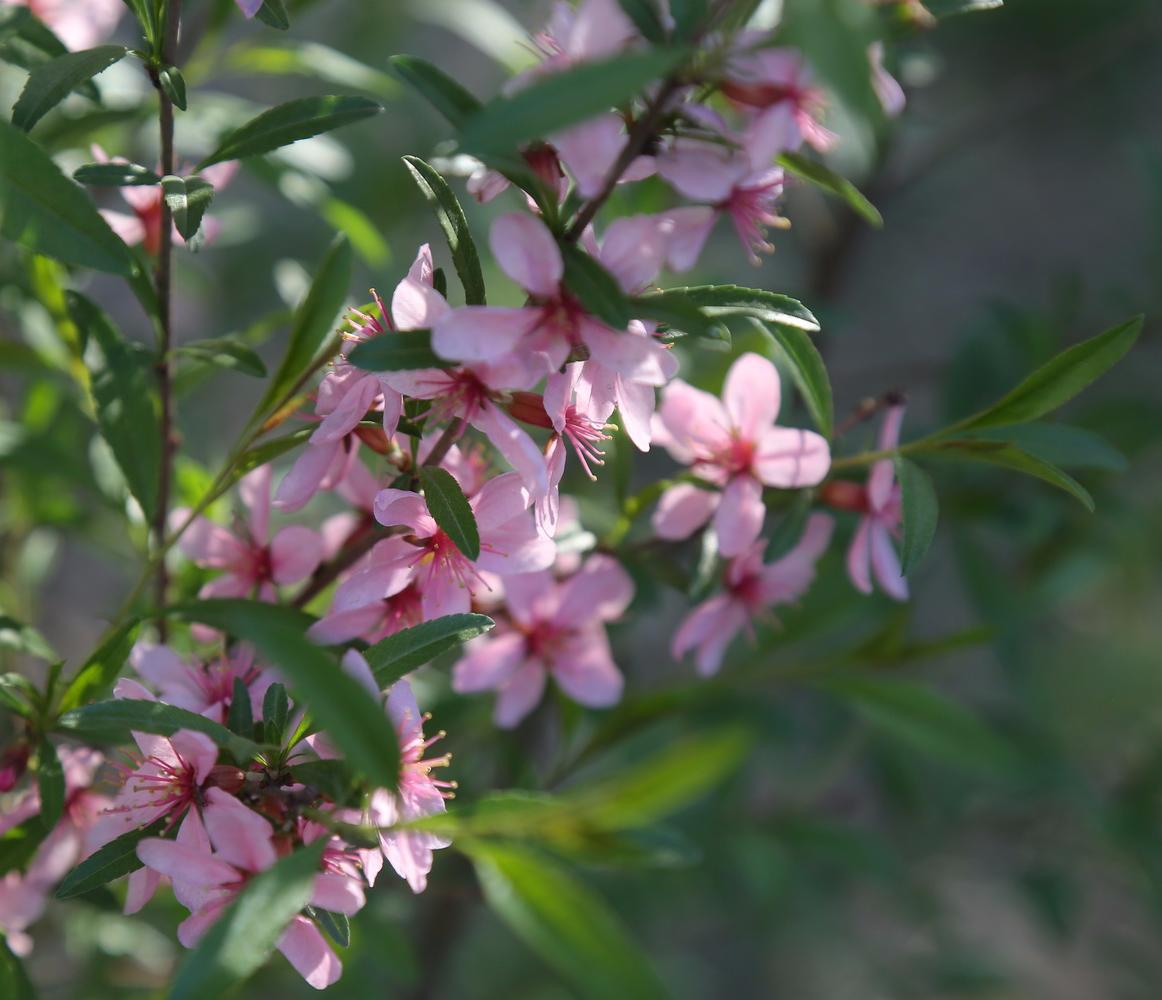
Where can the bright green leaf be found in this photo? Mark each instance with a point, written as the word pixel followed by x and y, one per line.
pixel 722 302
pixel 100 670
pixel 275 713
pixel 240 718
pixel 450 508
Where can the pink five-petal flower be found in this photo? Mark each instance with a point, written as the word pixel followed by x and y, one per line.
pixel 751 588
pixel 872 551
pixel 553 325
pixel 80 24
pixel 556 629
pixel 254 563
pixel 210 867
pixel 736 445
pixel 509 543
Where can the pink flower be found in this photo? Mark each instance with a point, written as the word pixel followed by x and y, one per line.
pixel 254 563
pixel 736 445
pixel 80 24
pixel 751 589
pixel 211 861
pixel 249 7
pixel 886 86
pixel 556 629
pixel 353 615
pixel 553 326
pixel 205 688
pixel 509 543
pixel 871 548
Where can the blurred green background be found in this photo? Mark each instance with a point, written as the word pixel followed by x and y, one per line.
pixel 858 854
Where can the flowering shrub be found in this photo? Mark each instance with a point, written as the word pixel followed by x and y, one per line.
pixel 284 760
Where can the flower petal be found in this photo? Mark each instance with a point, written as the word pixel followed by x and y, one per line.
pixel 751 395
pixel 790 458
pixel 682 510
pixel 740 514
pixel 526 251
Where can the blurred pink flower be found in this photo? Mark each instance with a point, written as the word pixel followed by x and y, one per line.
pixel 80 24
pixel 871 548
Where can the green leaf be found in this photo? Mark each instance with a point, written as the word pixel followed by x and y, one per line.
pixel 51 82
pixel 926 721
pixel 240 942
pixel 173 84
pixel 100 670
pixel 828 180
pixel 920 510
pixel 689 17
pixel 226 352
pixel 50 779
pixel 437 88
pixel 187 198
pixel 313 320
pixel 335 925
pixel 115 859
pixel 320 62
pixel 23 638
pixel 730 301
pixel 125 391
pixel 1057 382
pixel 18 695
pixel 449 506
pixel 46 213
pixel 353 719
pixel 1009 456
pixel 147 13
pixel 572 929
pixel 1061 444
pixel 645 17
pixel 115 175
pixel 14 981
pixel 679 315
pixel 950 8
pixel 393 352
pixel 333 778
pixel 797 351
pixel 275 713
pixel 409 648
pixel 556 101
pixel 290 122
pixel 19 844
pixel 240 718
pixel 455 226
pixel 114 722
pixel 596 289
pixel 273 13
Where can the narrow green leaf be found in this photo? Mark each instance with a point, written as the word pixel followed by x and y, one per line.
pixel 679 315
pixel 147 14
pixel 100 670
pixel 46 213
pixel 240 719
pixel 409 648
pixel 926 721
pixel 1011 457
pixel 50 779
pixel 313 320
pixel 596 289
pixel 173 84
pixel 400 351
pixel 273 13
pixel 455 226
pixel 334 925
pixel 50 83
pixel 353 719
pixel 828 180
pixel 1057 382
pixel 729 301
pixel 226 352
pixel 1060 444
pixel 240 942
pixel 14 981
pixel 125 391
pixel 645 17
pixel 115 175
pixel 920 510
pixel 18 695
pixel 689 17
pixel 275 713
pixel 23 638
pixel 793 346
pixel 437 88
pixel 449 506
pixel 560 919
pixel 115 859
pixel 558 100
pixel 290 122
pixel 113 722
pixel 320 62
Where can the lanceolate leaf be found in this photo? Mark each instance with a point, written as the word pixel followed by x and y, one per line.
pixel 226 352
pixel 1061 444
pixel 920 510
pixel 799 354
pixel 95 678
pixel 313 320
pixel 124 388
pixel 448 505
pixel 245 935
pixel 559 100
pixel 51 82
pixel 50 779
pixel 240 719
pixel 409 648
pixel 437 88
pixel 353 719
pixel 46 213
pixel 115 859
pixel 335 925
pixel 827 179
pixel 1011 457
pixel 567 925
pixel 455 226
pixel 394 352
pixel 1057 382
pixel 274 14
pixel 115 175
pixel 723 302
pixel 645 17
pixel 24 639
pixel 290 122
pixel 596 289
pixel 14 981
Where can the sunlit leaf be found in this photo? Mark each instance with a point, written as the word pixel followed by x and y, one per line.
pixel 450 508
pixel 51 82
pixel 100 670
pixel 402 652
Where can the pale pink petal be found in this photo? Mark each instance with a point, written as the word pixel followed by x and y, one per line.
pixel 599 28
pixel 307 951
pixel 890 430
pixel 403 507
pixel 196 750
pixel 859 556
pixel 239 835
pixel 880 483
pixel 526 251
pixel 443 594
pixel 481 333
pixel 886 564
pixel 416 305
pixel 255 492
pixel 517 547
pixel 702 171
pixel 358 397
pixel 886 86
pixel 789 458
pixel 140 887
pixel 600 591
pixel 686 233
pixel 295 553
pixel 751 395
pixel 488 663
pixel 501 500
pixel 583 668
pixel 185 863
pixel 515 445
pixel 530 597
pixel 337 893
pixel 634 249
pixel 193 928
pixel 520 695
pixel 682 510
pixel 129 227
pixel 342 626
pixel 249 7
pixel 635 403
pixel 773 131
pixel 211 545
pixel 305 476
pixel 590 149
pixel 640 359
pixel 696 421
pixel 709 629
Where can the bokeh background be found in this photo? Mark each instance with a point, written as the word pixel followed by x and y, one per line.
pixel 852 856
